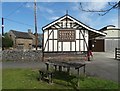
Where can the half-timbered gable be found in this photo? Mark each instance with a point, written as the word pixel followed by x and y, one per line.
pixel 67 34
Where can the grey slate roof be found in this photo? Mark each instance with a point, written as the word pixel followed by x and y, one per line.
pixel 22 35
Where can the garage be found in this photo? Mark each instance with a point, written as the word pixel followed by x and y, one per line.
pixel 98 46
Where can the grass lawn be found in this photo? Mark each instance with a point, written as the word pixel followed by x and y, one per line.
pixel 0 78
pixel 27 79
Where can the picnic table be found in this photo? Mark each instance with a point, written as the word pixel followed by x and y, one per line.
pixel 68 65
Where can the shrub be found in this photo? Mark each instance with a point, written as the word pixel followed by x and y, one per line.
pixel 6 41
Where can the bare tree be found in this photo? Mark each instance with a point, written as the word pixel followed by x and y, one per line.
pixel 101 12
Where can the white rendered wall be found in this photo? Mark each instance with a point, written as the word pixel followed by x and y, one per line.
pixel 51 34
pixel 55 45
pixel 66 46
pixel 77 34
pixel 86 38
pixel 73 46
pixel 112 33
pixel 81 45
pixel 59 46
pixel 50 45
pixel 45 39
pixel 55 34
pixel 77 45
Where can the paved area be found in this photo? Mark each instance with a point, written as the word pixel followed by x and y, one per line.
pixel 102 65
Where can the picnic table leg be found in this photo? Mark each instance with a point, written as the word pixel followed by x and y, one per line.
pixel 84 73
pixel 39 78
pixel 55 67
pixel 84 69
pixel 78 78
pixel 68 70
pixel 47 66
pixel 60 68
pixel 51 77
pixel 42 75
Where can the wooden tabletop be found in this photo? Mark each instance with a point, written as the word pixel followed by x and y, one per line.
pixel 66 64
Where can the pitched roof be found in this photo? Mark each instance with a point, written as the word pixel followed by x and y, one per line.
pixel 75 20
pixel 22 35
pixel 106 28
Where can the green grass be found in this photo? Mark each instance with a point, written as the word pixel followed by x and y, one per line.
pixel 0 78
pixel 27 79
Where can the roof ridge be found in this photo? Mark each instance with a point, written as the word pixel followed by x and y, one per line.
pixel 20 34
pixel 18 31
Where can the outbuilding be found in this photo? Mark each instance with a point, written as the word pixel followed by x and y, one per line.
pixel 21 40
pixel 112 39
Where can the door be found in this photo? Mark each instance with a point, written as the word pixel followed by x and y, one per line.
pixel 98 46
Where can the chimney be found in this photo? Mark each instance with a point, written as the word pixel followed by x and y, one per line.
pixel 29 31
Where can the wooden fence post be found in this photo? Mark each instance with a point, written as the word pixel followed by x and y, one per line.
pixel 115 53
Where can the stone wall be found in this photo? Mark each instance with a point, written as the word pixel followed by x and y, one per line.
pixel 26 43
pixel 20 55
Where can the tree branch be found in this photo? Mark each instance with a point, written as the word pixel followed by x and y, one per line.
pixel 104 11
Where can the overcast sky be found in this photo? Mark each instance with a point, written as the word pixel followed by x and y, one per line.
pixel 20 15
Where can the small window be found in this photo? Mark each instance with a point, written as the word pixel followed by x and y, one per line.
pixel 20 44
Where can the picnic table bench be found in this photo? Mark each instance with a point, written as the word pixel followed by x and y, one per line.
pixel 68 65
pixel 45 75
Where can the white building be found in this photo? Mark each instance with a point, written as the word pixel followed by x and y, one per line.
pixel 112 38
pixel 67 34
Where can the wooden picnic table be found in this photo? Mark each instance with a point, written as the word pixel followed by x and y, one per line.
pixel 67 65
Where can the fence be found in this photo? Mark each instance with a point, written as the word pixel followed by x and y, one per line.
pixel 117 53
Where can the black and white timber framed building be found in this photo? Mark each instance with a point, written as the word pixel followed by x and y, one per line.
pixel 67 34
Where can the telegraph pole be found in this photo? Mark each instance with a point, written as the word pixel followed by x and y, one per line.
pixel 35 18
pixel 2 26
pixel 2 32
pixel 119 22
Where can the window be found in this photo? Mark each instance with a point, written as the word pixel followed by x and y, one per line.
pixel 66 35
pixel 21 44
